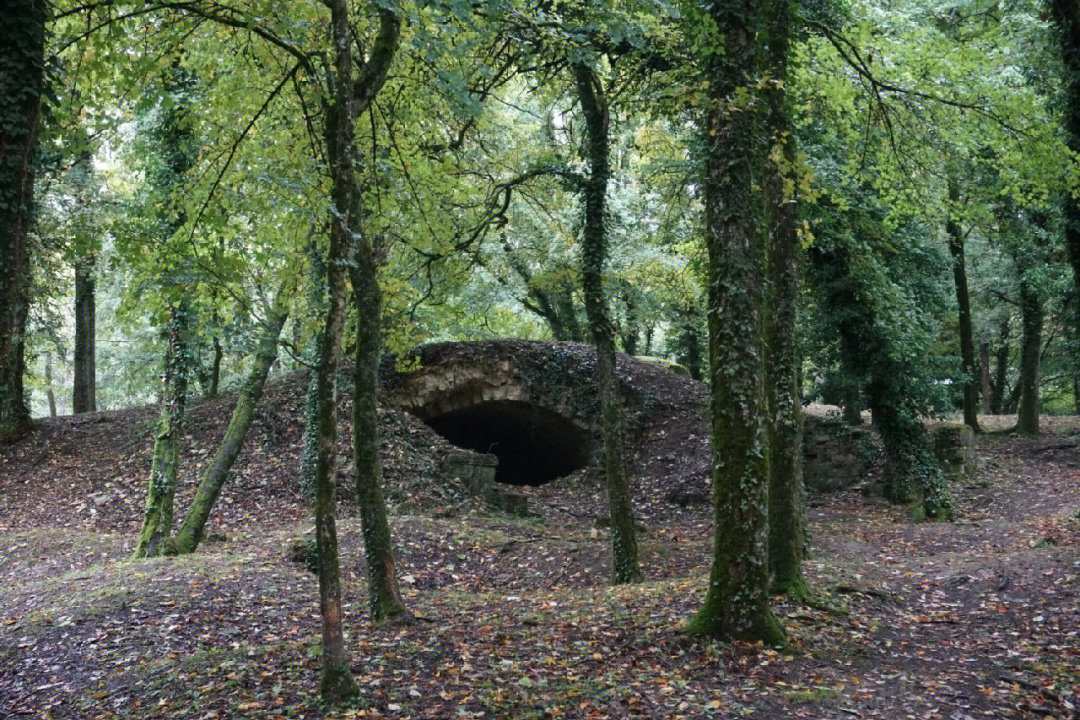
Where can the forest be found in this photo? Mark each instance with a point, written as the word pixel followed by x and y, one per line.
pixel 539 359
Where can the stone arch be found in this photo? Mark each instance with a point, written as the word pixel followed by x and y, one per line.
pixel 511 399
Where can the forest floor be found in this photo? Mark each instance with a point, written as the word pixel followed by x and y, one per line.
pixel 978 618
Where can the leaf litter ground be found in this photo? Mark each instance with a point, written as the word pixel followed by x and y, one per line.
pixel 972 619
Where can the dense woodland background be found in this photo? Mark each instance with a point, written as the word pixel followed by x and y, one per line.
pixel 874 205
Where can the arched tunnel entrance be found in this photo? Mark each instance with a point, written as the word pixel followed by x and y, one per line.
pixel 534 445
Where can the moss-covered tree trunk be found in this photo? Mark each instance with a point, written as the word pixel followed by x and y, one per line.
pixel 158 516
pixel 22 70
pixel 1066 16
pixel 853 405
pixel 688 339
pixel 631 329
pixel 913 475
pixel 1031 310
pixel 217 472
pixel 849 282
pixel 551 301
pixel 215 368
pixel 593 256
pixel 337 683
pixel 736 604
pixel 963 303
pixel 566 312
pixel 83 394
pixel 783 364
pixel 352 94
pixel 383 593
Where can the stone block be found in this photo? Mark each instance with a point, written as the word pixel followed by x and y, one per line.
pixel 475 471
pixel 513 503
pixel 954 446
pixel 836 455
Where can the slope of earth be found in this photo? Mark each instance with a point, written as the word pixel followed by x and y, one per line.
pixel 89 471
pixel 972 619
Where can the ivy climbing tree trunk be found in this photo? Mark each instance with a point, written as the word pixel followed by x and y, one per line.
pixel 383 593
pixel 158 516
pixel 593 256
pixel 1031 309
pixel 783 364
pixel 963 303
pixel 688 340
pixel 83 395
pixel 736 605
pixel 174 137
pixel 849 280
pixel 1066 16
pixel 217 472
pixel 22 77
pixel 215 368
pixel 853 405
pixel 913 474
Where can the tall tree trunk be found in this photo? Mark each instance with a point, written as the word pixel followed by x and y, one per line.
pixel 158 516
pixel 689 342
pixel 913 475
pixel 1001 369
pixel 383 593
pixel 593 256
pixel 49 384
pixel 736 604
pixel 337 683
pixel 984 372
pixel 783 365
pixel 85 381
pixel 215 368
pixel 22 64
pixel 853 405
pixel 1027 419
pixel 1012 401
pixel 1066 15
pixel 217 472
pixel 849 283
pixel 352 96
pixel 963 302
pixel 554 306
pixel 630 327
pixel 563 302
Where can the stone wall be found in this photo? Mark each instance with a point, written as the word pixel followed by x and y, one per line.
pixel 476 471
pixel 954 446
pixel 837 455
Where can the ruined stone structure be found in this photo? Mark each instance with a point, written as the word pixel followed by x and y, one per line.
pixel 837 455
pixel 530 404
pixel 954 446
pixel 529 409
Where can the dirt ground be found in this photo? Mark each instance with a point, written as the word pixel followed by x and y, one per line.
pixel 977 618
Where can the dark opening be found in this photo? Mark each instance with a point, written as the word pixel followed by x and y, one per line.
pixel 534 445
